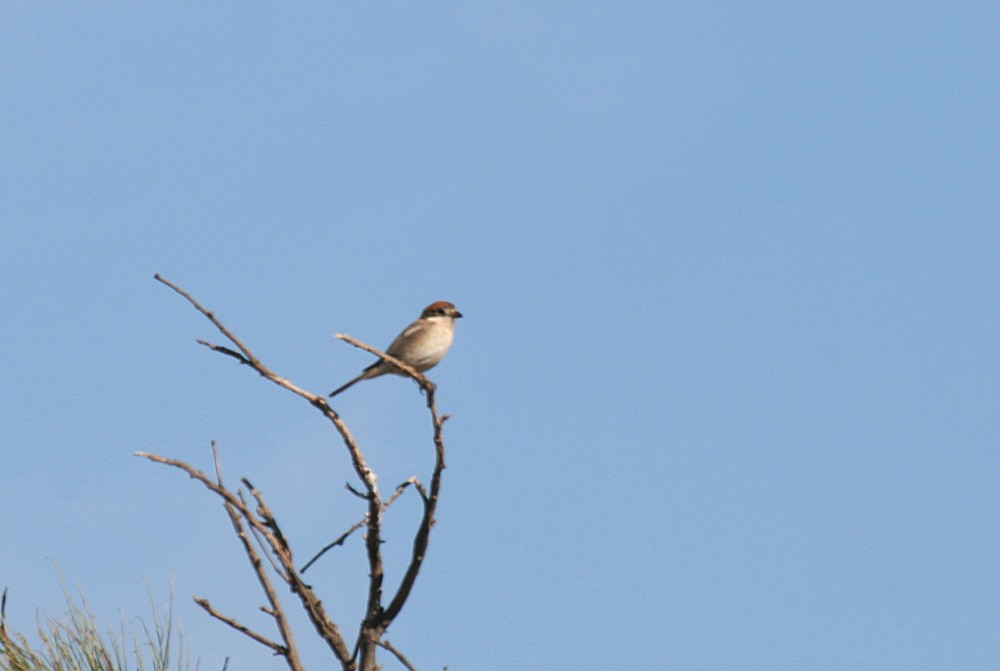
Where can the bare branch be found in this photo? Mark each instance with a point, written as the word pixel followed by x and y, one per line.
pixel 238 511
pixel 422 537
pixel 218 463
pixel 358 461
pixel 195 474
pixel 360 523
pixel 225 350
pixel 349 487
pixel 264 511
pixel 410 371
pixel 421 489
pixel 402 659
pixel 244 356
pixel 236 515
pixel 250 358
pixel 324 626
pixel 340 541
pixel 264 542
pixel 399 491
pixel 243 629
pixel 268 535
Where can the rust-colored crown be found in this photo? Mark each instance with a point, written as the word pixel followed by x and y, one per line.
pixel 440 309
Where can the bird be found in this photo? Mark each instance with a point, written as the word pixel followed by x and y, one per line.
pixel 421 345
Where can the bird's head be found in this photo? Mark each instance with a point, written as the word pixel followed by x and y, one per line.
pixel 440 309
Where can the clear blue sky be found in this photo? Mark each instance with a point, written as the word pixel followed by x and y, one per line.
pixel 726 393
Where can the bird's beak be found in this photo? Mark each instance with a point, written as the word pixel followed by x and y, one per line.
pixel 457 314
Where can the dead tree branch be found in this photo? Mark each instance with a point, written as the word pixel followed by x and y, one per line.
pixel 400 656
pixel 239 513
pixel 412 372
pixel 263 526
pixel 278 648
pixel 360 523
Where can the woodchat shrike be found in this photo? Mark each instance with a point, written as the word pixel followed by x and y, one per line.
pixel 421 345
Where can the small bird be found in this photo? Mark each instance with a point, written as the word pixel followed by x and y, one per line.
pixel 421 345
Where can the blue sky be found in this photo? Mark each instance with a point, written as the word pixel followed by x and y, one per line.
pixel 725 396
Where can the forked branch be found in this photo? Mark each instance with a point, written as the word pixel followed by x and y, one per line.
pixel 239 514
pixel 417 376
pixel 342 538
pixel 261 523
pixel 243 629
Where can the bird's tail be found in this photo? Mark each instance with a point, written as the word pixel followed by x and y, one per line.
pixel 353 382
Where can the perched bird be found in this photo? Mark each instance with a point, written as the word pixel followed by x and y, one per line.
pixel 421 345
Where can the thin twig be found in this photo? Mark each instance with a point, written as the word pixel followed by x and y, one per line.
pixel 243 629
pixel 266 516
pixel 340 541
pixel 225 350
pixel 251 359
pixel 410 371
pixel 218 463
pixel 264 543
pixel 421 490
pixel 349 487
pixel 402 659
pixel 360 523
pixel 422 537
pixel 247 357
